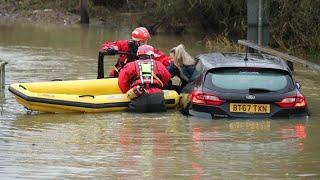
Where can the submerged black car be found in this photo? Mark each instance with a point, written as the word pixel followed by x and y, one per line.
pixel 243 86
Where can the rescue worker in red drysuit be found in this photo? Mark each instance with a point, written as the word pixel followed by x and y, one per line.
pixel 127 50
pixel 145 79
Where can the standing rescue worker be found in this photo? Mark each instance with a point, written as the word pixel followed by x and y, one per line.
pixel 143 81
pixel 127 50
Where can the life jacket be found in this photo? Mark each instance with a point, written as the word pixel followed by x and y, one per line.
pixel 147 74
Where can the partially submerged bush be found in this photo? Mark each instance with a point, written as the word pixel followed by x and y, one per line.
pixel 46 4
pixel 295 24
pixel 221 43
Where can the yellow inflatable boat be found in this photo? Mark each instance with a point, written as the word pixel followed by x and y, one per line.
pixel 96 95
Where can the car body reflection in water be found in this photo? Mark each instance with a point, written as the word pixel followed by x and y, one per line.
pixel 253 144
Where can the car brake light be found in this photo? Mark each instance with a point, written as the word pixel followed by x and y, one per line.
pixel 199 97
pixel 290 102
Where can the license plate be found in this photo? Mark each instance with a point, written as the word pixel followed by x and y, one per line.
pixel 249 108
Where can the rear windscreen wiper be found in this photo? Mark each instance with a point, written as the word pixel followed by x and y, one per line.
pixel 259 90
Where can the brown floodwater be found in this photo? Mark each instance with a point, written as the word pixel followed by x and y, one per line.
pixel 122 145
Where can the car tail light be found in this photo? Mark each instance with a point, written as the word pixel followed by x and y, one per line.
pixel 290 102
pixel 199 97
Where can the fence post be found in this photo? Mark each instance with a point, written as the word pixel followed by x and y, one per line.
pixel 2 100
pixel 2 73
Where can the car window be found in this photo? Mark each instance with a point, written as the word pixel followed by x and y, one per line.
pixel 243 79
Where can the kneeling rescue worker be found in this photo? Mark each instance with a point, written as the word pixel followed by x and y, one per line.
pixel 143 81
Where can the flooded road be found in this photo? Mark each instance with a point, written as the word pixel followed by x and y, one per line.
pixel 123 145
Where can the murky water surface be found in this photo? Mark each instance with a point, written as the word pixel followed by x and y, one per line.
pixel 123 145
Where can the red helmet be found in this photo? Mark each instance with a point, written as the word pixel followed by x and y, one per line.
pixel 145 50
pixel 140 34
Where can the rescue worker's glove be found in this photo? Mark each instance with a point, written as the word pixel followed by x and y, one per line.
pixel 111 51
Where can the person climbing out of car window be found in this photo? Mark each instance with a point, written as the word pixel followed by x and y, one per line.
pixel 143 81
pixel 127 50
pixel 182 65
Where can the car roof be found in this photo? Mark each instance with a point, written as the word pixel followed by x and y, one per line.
pixel 221 60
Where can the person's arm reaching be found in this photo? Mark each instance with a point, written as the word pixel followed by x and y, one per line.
pixel 112 48
pixel 161 57
pixel 165 75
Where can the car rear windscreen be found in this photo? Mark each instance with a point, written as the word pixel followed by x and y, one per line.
pixel 238 79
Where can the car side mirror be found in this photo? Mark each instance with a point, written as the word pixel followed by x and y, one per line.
pixel 298 85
